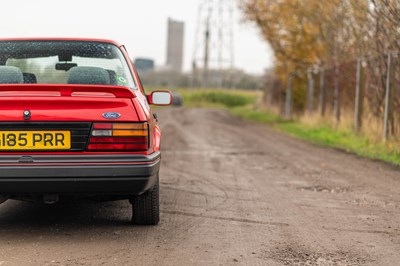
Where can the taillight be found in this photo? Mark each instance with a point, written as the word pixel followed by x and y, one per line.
pixel 119 137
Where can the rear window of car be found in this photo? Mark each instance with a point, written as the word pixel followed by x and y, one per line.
pixel 63 62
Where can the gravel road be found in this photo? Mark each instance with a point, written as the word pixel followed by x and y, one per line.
pixel 232 193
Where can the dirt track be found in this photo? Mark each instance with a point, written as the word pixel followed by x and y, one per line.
pixel 232 193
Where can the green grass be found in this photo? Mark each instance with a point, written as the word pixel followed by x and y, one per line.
pixel 325 135
pixel 345 140
pixel 218 98
pixel 249 113
pixel 241 104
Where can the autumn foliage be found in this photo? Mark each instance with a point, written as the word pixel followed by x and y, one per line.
pixel 332 35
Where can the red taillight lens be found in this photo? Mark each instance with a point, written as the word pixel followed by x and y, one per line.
pixel 119 137
pixel 102 126
pixel 117 140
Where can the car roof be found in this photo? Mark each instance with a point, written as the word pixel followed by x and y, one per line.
pixel 61 39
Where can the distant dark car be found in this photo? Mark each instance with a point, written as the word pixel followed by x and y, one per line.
pixel 75 121
pixel 143 64
pixel 177 99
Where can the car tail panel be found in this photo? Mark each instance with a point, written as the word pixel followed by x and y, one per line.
pixel 79 133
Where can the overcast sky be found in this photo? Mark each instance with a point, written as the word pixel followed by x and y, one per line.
pixel 140 25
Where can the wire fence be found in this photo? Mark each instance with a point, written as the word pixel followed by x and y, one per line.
pixel 366 89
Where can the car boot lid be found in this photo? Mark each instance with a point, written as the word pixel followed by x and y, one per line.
pixel 67 103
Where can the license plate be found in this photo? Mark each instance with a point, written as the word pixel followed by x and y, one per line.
pixel 35 140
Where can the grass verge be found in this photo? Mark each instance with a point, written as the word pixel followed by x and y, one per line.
pixel 326 136
pixel 218 98
pixel 241 104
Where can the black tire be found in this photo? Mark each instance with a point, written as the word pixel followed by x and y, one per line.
pixel 146 207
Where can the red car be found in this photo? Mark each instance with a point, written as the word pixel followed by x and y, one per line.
pixel 75 121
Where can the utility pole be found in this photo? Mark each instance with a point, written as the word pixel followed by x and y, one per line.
pixel 206 52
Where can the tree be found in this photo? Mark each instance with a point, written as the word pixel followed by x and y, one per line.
pixel 305 33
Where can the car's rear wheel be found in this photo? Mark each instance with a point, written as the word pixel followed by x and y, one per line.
pixel 146 207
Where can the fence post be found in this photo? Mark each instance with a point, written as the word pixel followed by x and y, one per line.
pixel 288 104
pixel 322 92
pixel 336 93
pixel 387 98
pixel 359 100
pixel 310 98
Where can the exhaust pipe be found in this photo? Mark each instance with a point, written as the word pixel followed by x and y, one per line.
pixel 50 199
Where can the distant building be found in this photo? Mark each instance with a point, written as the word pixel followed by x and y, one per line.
pixel 175 45
pixel 144 64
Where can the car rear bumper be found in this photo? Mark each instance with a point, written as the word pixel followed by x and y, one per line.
pixel 78 174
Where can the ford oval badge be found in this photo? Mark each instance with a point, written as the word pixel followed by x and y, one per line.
pixel 111 115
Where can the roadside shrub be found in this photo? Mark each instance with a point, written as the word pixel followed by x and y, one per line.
pixel 225 98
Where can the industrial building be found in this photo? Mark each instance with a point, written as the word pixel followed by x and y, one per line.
pixel 175 40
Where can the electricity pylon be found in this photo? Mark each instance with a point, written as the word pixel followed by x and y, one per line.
pixel 213 54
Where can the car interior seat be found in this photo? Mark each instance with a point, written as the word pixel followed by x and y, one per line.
pixel 113 78
pixel 29 78
pixel 10 75
pixel 88 75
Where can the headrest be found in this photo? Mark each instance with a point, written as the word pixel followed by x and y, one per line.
pixel 113 78
pixel 88 75
pixel 10 75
